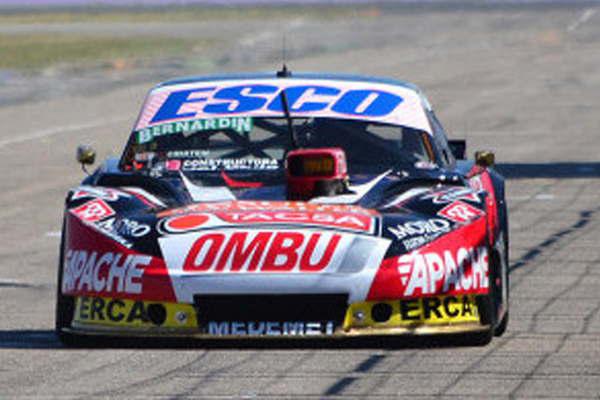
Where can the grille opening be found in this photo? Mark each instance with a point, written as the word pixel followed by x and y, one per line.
pixel 276 308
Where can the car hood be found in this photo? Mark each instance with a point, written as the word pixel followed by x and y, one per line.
pixel 253 246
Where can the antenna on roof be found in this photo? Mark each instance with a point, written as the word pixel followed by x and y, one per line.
pixel 284 72
pixel 283 49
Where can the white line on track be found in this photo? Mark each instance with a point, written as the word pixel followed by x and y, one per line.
pixel 62 129
pixel 14 283
pixel 544 196
pixel 583 18
pixel 541 196
pixel 53 234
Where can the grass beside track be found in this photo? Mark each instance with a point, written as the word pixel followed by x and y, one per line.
pixel 35 51
pixel 177 14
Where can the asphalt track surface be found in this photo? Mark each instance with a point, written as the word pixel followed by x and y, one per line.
pixel 520 82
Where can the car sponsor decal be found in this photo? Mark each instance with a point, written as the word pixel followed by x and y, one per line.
pixel 208 215
pixel 197 221
pixel 95 265
pixel 418 241
pixel 103 272
pixel 453 194
pixel 262 252
pixel 420 227
pixel 414 234
pixel 258 205
pixel 229 164
pixel 240 125
pixel 435 272
pixel 125 227
pixel 133 313
pixel 338 220
pixel 188 153
pixel 433 310
pixel 106 228
pixel 460 212
pixel 107 194
pixel 455 263
pixel 270 328
pixel 372 101
pixel 119 228
pixel 93 211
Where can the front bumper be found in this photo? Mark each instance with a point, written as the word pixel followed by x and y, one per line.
pixel 420 316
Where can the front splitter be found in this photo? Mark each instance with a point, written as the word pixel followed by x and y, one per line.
pixel 81 329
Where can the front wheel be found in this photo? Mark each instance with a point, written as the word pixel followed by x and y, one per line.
pixel 65 305
pixel 501 328
pixel 503 288
pixel 493 307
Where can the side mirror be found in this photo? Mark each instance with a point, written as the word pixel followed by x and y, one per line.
pixel 485 158
pixel 86 155
pixel 458 148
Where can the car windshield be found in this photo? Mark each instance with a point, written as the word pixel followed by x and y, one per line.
pixel 258 145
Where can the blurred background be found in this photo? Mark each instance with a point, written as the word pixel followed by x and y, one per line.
pixel 54 46
pixel 472 58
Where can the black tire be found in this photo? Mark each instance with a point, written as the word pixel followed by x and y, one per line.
pixel 489 305
pixel 65 305
pixel 485 306
pixel 501 328
pixel 503 324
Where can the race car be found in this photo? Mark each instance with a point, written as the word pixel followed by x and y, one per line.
pixel 285 206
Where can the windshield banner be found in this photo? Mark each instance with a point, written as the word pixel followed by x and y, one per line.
pixel 199 102
pixel 238 124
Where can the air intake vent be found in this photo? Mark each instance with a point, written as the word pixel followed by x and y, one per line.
pixel 274 308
